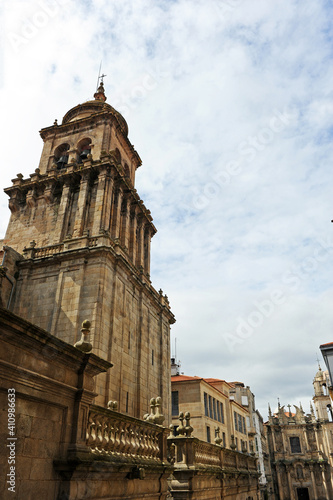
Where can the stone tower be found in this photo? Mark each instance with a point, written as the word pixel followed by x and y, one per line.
pixel 78 247
pixel 321 399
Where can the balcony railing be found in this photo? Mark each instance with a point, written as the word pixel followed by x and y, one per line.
pixel 115 435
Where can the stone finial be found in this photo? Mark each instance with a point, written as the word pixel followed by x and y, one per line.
pixel 159 417
pixel 55 122
pixel 181 428
pixel 269 410
pixel 188 427
pixel 83 344
pixel 172 431
pixel 232 444
pixel 218 439
pixel 150 417
pixel 112 405
pixel 100 93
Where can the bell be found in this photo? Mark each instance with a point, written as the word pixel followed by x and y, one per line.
pixel 84 154
pixel 62 161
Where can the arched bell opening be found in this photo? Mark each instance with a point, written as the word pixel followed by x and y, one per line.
pixel 61 156
pixel 84 149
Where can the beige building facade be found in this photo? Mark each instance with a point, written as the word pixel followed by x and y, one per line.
pixel 78 247
pixel 208 402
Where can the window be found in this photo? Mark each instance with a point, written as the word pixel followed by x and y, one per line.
pixel 206 404
pixel 295 445
pixel 236 421
pixel 175 403
pixel 214 408
pixel 240 426
pixel 222 414
pixel 244 426
pixel 210 407
pixel 245 401
pixel 223 439
pixel 208 434
pixel 218 411
pixel 256 442
pixel 152 357
pixel 127 402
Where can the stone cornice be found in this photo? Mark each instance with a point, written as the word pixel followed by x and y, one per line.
pixel 72 173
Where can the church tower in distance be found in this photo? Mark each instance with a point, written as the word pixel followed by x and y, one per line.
pixel 77 247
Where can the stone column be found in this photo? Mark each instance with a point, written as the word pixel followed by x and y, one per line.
pixel 63 212
pixel 133 231
pixel 108 202
pixel 100 200
pixel 116 215
pixel 147 240
pixel 81 205
pixel 140 242
pixel 313 480
pixel 125 222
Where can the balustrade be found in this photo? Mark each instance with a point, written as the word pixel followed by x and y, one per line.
pixel 116 435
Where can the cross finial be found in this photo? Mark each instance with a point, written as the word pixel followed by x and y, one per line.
pixel 318 362
pixel 289 406
pixel 101 77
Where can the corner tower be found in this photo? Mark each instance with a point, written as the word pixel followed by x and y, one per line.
pixel 78 247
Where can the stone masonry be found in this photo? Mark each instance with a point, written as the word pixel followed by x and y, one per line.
pixel 78 246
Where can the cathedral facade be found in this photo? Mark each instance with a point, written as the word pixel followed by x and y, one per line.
pixel 301 448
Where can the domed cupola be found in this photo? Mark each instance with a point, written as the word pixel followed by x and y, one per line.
pixel 93 107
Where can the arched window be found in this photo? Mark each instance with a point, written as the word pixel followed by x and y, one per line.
pixel 84 149
pixel 61 155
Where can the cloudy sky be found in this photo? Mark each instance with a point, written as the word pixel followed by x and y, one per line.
pixel 229 104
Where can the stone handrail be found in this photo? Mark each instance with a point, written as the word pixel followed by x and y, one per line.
pixel 115 435
pixel 207 454
pixel 191 451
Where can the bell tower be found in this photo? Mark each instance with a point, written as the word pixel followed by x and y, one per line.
pixel 78 247
pixel 321 399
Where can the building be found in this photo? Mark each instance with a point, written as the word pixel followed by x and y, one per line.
pixel 208 402
pixel 243 395
pixel 301 448
pixel 77 247
pixel 74 279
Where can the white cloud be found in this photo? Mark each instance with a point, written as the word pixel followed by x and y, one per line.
pixel 203 84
